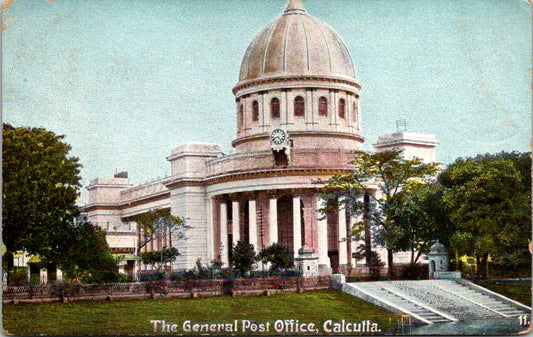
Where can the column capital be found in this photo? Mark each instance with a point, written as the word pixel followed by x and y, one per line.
pixel 249 195
pixel 220 198
pixel 235 196
pixel 272 194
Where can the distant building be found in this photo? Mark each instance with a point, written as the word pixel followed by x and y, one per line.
pixel 298 111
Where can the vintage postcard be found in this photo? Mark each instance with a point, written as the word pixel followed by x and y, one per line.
pixel 254 167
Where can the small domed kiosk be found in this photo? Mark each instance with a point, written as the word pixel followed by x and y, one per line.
pixel 438 263
pixel 438 259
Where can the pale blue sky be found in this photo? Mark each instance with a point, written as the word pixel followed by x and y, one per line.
pixel 128 81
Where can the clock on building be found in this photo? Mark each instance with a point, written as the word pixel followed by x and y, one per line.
pixel 278 137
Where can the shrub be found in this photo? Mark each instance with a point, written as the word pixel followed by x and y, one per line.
pixel 280 256
pixel 243 257
pixel 18 276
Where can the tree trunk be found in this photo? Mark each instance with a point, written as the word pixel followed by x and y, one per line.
pixel 8 261
pixel 366 221
pixel 389 262
pixel 481 266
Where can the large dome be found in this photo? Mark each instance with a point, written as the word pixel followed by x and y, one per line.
pixel 296 45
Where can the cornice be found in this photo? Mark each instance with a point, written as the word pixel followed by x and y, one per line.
pixel 283 79
pixel 353 136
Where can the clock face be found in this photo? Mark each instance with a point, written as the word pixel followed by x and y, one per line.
pixel 278 136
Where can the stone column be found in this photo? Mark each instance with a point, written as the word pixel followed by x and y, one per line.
pixel 224 233
pixel 284 107
pixel 310 221
pixel 334 104
pixel 252 216
pixel 296 225
pixel 235 222
pixel 273 221
pixel 343 244
pixel 267 113
pixel 308 117
pixel 322 231
pixel 331 112
pixel 215 228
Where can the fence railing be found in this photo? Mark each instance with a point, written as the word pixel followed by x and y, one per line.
pixel 179 288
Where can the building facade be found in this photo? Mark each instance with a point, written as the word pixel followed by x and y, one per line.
pixel 298 122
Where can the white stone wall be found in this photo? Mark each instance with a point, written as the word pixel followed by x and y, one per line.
pixel 107 190
pixel 145 207
pixel 122 240
pixel 189 202
pixel 188 161
pixel 421 145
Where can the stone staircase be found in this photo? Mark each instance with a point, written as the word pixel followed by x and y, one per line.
pixel 437 301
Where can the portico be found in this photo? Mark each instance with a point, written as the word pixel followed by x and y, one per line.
pixel 286 216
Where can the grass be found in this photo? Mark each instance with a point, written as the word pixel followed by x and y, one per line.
pixel 126 317
pixel 518 292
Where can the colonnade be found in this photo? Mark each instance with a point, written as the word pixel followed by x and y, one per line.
pixel 288 217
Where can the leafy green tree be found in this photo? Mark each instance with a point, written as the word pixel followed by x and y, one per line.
pixel 156 224
pixel 243 257
pixel 380 176
pixel 280 256
pixel 421 219
pixel 491 208
pixel 84 250
pixel 160 257
pixel 40 187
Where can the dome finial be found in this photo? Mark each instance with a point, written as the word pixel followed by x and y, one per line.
pixel 294 6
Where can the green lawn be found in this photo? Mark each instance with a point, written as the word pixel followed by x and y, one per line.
pixel 125 317
pixel 518 292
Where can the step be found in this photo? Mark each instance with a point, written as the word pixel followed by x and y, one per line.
pixel 447 297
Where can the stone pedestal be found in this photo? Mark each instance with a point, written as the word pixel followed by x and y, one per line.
pixel 307 262
pixel 324 270
pixel 447 274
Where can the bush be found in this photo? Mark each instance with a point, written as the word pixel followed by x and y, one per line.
pixel 151 275
pixel 280 256
pixel 416 272
pixel 18 276
pixel 100 276
pixel 243 257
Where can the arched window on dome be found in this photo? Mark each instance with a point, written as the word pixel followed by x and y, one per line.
pixel 342 108
pixel 241 116
pixel 299 106
pixel 322 106
pixel 255 111
pixel 274 107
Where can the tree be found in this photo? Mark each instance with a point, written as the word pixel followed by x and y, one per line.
pixel 379 176
pixel 160 257
pixel 278 255
pixel 40 186
pixel 243 257
pixel 490 206
pixel 156 224
pixel 421 219
pixel 84 251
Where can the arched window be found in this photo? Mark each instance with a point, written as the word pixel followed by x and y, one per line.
pixel 342 107
pixel 255 111
pixel 274 107
pixel 322 106
pixel 355 112
pixel 299 106
pixel 241 116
